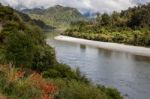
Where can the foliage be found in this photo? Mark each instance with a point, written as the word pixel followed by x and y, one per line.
pixel 23 43
pixel 77 90
pixel 64 71
pixel 19 52
pixel 131 26
pixel 27 57
pixel 14 84
pixel 44 58
pixel 105 19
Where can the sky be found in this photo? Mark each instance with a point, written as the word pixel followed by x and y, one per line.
pixel 81 5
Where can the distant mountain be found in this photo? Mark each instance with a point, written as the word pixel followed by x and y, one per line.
pixel 33 11
pixel 58 16
pixel 89 14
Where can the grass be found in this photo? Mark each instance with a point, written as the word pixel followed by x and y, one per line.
pixel 78 90
pixel 19 84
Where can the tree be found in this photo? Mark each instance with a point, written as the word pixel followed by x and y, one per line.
pixel 98 19
pixel 44 58
pixel 140 19
pixel 115 18
pixel 19 49
pixel 105 19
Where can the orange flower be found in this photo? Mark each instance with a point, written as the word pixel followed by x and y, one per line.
pixel 19 74
pixel 48 89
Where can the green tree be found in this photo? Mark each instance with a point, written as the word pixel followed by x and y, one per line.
pixel 44 58
pixel 19 49
pixel 106 20
pixel 140 19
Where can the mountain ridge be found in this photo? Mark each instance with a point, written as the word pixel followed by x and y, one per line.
pixel 58 16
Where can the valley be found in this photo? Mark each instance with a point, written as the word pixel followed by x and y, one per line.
pixel 63 52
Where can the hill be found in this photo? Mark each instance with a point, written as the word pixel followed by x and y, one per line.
pixel 38 22
pixel 58 16
pixel 29 69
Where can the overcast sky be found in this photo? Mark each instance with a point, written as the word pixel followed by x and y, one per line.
pixel 82 5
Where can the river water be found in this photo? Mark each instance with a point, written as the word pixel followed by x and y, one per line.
pixel 130 74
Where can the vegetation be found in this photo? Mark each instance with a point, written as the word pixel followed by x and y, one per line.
pixel 77 90
pixel 16 84
pixel 28 39
pixel 57 16
pixel 131 26
pixel 29 69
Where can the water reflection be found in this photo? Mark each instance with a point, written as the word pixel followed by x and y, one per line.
pixel 141 58
pixel 83 48
pixel 129 73
pixel 105 53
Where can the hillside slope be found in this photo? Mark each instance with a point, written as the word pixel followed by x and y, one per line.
pixel 29 69
pixel 57 16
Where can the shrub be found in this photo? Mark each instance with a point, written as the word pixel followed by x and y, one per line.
pixel 64 71
pixel 51 73
pixel 44 58
pixel 17 88
pixel 78 90
pixel 15 85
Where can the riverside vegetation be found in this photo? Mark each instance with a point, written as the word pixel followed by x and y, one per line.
pixel 130 26
pixel 29 69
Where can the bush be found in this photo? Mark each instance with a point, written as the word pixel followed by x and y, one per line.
pixel 44 58
pixel 51 73
pixel 64 71
pixel 60 70
pixel 17 89
pixel 78 90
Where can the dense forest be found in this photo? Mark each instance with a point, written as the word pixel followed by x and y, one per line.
pixel 130 26
pixel 29 69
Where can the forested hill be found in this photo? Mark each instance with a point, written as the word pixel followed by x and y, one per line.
pixel 25 18
pixel 20 38
pixel 130 26
pixel 29 69
pixel 57 15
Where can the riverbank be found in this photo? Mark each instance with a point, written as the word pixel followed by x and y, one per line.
pixel 106 45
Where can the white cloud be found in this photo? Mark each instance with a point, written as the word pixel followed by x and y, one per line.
pixel 110 5
pixel 82 5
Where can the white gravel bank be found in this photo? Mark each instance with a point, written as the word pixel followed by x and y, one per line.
pixel 106 45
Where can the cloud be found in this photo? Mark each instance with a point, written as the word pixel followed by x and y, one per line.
pixel 81 5
pixel 109 5
pixel 141 1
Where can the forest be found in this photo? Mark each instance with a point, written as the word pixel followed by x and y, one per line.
pixel 131 26
pixel 29 68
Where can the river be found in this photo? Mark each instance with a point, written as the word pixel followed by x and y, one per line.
pixel 129 73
